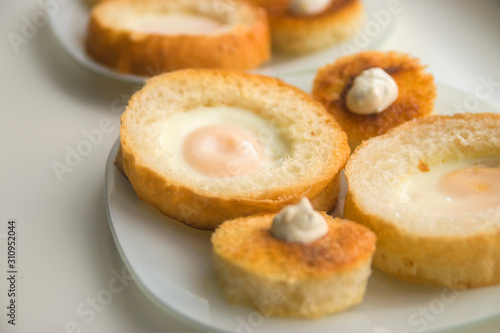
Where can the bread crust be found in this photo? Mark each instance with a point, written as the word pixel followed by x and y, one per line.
pixel 248 267
pixel 205 209
pixel 463 258
pixel 417 92
pixel 300 34
pixel 243 47
pixel 92 3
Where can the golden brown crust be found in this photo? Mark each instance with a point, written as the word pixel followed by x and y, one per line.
pixel 201 212
pixel 241 48
pixel 328 197
pixel 203 209
pixel 92 3
pixel 466 258
pixel 345 246
pixel 300 34
pixel 288 279
pixel 417 92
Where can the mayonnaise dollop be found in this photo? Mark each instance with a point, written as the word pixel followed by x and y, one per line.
pixel 373 91
pixel 308 7
pixel 299 223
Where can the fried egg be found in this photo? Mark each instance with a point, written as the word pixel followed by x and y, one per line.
pixel 455 187
pixel 222 141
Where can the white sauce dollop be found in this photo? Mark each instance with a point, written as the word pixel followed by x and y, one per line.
pixel 373 91
pixel 308 7
pixel 299 223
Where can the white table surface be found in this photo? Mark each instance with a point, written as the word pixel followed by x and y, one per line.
pixel 66 254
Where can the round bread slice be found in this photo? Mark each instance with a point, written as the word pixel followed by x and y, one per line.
pixel 294 34
pixel 116 39
pixel 318 148
pixel 453 249
pixel 417 92
pixel 288 279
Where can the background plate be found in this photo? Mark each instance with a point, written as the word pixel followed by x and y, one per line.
pixel 70 26
pixel 171 263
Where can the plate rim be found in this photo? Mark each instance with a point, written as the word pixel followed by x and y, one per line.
pixel 138 282
pixel 85 61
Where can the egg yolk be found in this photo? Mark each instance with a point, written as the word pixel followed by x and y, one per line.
pixel 223 151
pixel 477 187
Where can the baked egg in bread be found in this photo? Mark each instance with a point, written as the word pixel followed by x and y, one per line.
pixel 430 190
pixel 156 36
pixel 204 146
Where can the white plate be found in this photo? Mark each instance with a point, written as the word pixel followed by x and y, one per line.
pixel 69 26
pixel 172 264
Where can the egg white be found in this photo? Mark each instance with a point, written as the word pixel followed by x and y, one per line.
pixel 179 127
pixel 175 23
pixel 421 191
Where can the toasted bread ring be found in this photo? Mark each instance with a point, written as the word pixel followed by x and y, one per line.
pixel 457 251
pixel 294 34
pixel 245 45
pixel 298 280
pixel 319 148
pixel 417 92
